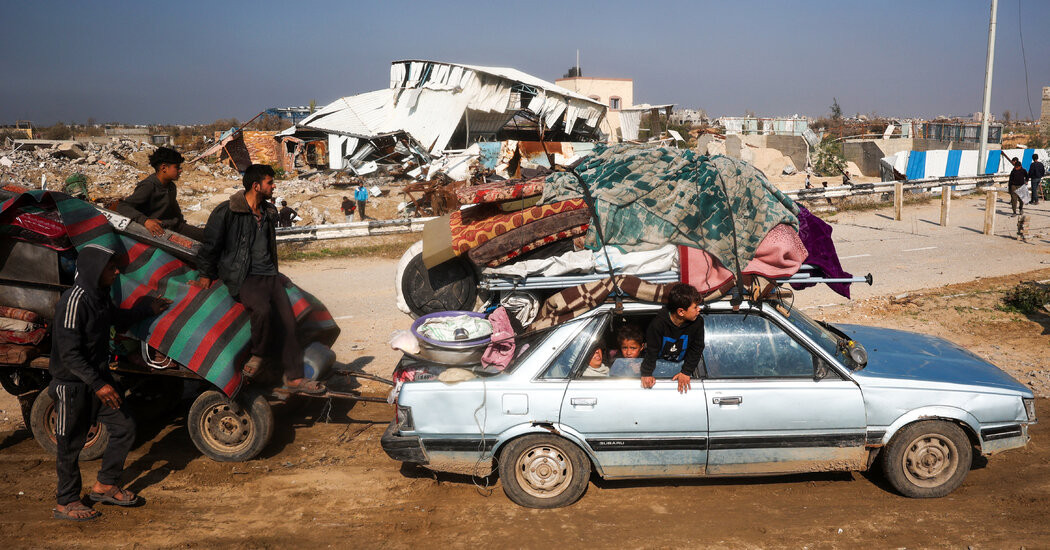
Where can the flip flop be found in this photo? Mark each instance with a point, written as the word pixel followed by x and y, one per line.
pixel 109 497
pixel 309 387
pixel 75 507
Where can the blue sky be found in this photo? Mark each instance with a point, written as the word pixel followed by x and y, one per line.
pixel 194 62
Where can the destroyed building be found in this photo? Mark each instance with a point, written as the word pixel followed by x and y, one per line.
pixel 433 108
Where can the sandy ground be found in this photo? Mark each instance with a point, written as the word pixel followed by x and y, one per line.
pixel 324 481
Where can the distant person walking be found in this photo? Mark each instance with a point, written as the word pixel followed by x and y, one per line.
pixel 361 196
pixel 348 207
pixel 1017 180
pixel 1036 173
pixel 154 203
pixel 285 215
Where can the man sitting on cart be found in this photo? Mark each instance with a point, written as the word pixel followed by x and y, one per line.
pixel 240 248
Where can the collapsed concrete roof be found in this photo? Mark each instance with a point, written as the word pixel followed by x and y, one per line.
pixel 446 105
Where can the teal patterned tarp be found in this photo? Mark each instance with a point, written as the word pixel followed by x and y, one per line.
pixel 645 198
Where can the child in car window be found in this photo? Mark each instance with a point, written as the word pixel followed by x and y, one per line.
pixel 632 344
pixel 595 366
pixel 676 335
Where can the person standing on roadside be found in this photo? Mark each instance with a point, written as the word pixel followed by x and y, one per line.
pixel 1036 173
pixel 154 203
pixel 361 196
pixel 240 248
pixel 286 215
pixel 1017 179
pixel 83 388
pixel 348 208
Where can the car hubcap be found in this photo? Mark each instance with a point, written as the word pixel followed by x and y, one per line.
pixel 544 471
pixel 930 460
pixel 225 427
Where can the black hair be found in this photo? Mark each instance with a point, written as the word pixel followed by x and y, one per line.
pixel 681 296
pixel 1035 156
pixel 630 332
pixel 255 173
pixel 284 203
pixel 164 155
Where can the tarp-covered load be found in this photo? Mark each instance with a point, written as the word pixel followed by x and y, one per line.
pixel 204 330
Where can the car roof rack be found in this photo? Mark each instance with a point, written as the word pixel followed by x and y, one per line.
pixel 806 274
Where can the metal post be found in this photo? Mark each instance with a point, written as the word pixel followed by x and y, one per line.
pixel 946 203
pixel 898 200
pixel 989 212
pixel 982 156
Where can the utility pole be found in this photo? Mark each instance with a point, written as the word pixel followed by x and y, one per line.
pixel 577 62
pixel 982 156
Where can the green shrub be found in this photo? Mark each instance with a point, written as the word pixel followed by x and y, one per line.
pixel 1027 297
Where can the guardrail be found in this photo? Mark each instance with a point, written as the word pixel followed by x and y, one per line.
pixel 367 228
pixel 859 189
pixel 415 225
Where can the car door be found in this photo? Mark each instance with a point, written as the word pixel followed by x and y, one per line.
pixel 637 432
pixel 767 411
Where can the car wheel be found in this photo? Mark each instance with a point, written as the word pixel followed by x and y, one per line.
pixel 228 430
pixel 928 459
pixel 42 420
pixel 543 471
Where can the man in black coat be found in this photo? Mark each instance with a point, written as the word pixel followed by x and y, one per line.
pixel 1015 182
pixel 240 248
pixel 154 203
pixel 1036 173
pixel 82 386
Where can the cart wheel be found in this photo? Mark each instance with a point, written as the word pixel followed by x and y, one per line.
pixel 25 402
pixel 42 422
pixel 228 430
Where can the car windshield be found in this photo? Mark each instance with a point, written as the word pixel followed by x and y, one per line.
pixel 824 335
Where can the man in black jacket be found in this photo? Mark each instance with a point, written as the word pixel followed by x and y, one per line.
pixel 83 388
pixel 240 248
pixel 154 203
pixel 1036 172
pixel 677 336
pixel 1015 182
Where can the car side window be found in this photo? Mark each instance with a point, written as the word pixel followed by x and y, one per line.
pixel 572 354
pixel 751 346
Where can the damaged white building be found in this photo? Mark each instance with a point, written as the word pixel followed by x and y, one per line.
pixel 433 107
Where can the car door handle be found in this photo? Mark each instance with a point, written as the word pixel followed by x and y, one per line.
pixel 584 401
pixel 735 400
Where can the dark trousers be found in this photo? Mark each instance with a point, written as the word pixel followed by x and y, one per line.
pixel 361 208
pixel 273 323
pixel 1015 201
pixel 76 409
pixel 1037 191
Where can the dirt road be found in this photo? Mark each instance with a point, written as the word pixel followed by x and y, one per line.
pixel 324 481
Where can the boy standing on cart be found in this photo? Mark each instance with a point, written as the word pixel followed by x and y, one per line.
pixel 240 247
pixel 83 388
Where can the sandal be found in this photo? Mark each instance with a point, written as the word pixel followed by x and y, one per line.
pixel 310 387
pixel 251 367
pixel 75 512
pixel 116 496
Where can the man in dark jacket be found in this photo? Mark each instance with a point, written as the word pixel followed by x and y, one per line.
pixel 240 248
pixel 83 388
pixel 1036 172
pixel 1016 181
pixel 286 215
pixel 154 203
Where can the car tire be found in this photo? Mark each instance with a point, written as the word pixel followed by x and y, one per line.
pixel 450 286
pixel 42 424
pixel 230 430
pixel 543 471
pixel 928 459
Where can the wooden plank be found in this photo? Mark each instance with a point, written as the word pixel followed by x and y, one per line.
pixel 946 204
pixel 898 200
pixel 989 212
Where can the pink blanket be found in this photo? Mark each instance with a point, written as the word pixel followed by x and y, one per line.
pixel 779 255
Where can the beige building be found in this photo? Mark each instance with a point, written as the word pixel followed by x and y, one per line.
pixel 1044 114
pixel 615 93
